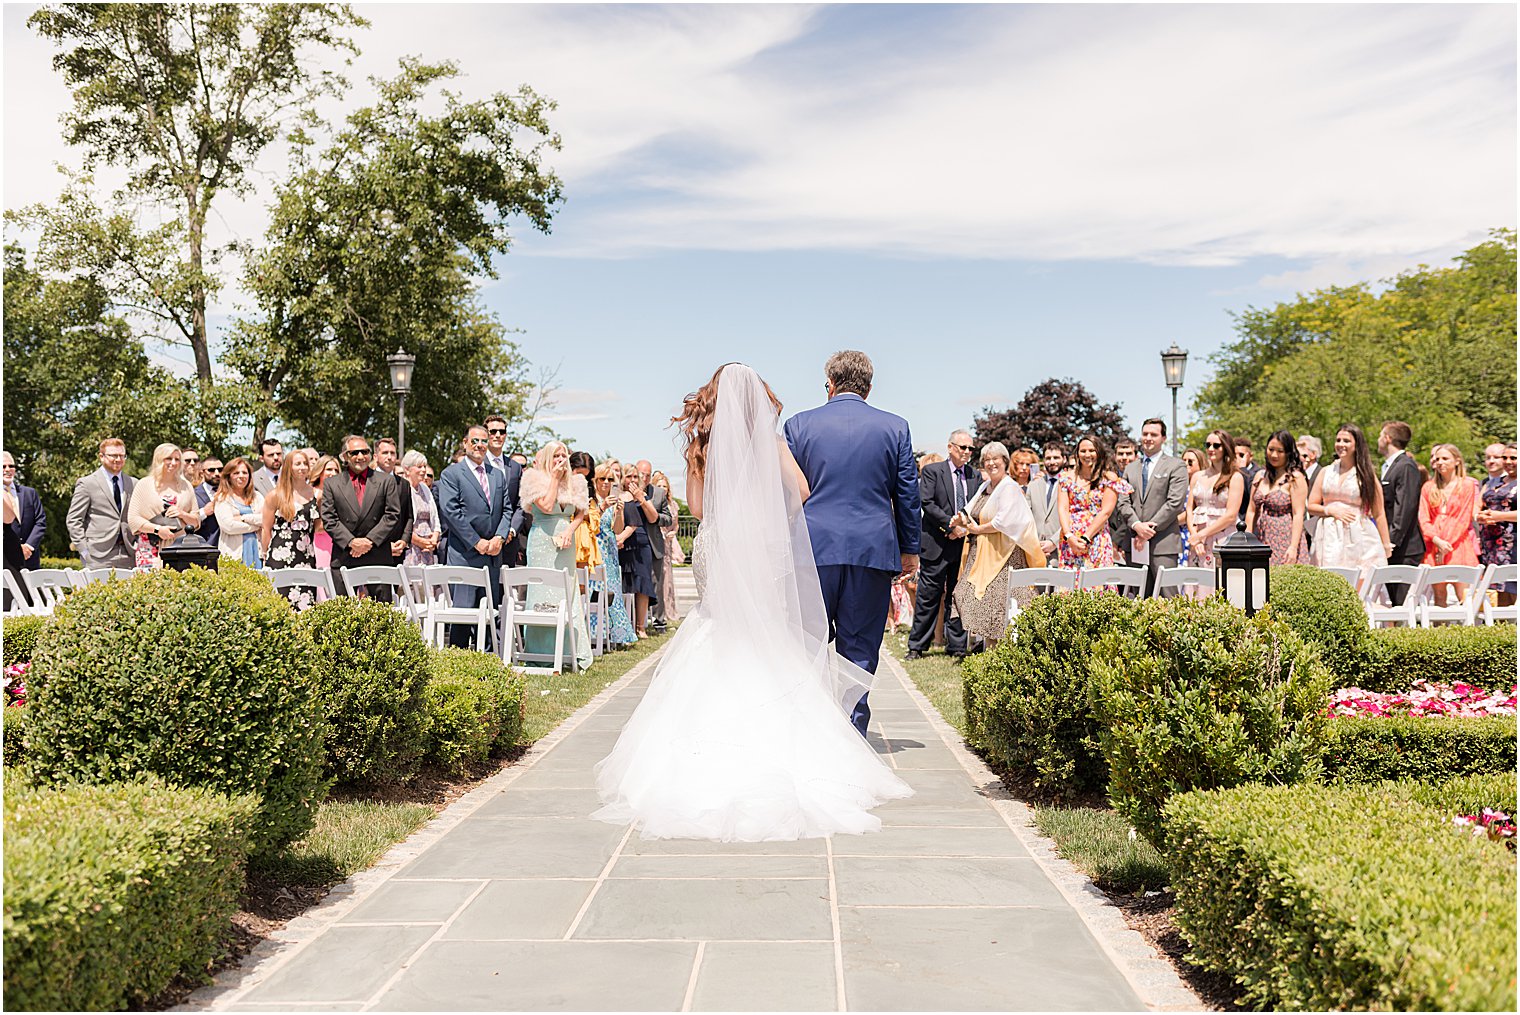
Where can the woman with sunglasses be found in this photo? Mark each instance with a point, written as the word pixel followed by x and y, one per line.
pixel 1496 521
pixel 1214 496
pixel 608 501
pixel 1348 495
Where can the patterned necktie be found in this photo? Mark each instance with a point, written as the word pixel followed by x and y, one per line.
pixel 960 489
pixel 485 484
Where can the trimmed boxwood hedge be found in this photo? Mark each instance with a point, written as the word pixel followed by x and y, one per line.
pixel 112 891
pixel 1379 748
pixel 1026 700
pixel 20 638
pixel 1196 695
pixel 1334 897
pixel 1324 610
pixel 474 706
pixel 200 677
pixel 14 733
pixel 372 667
pixel 1398 656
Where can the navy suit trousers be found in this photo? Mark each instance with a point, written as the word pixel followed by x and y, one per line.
pixel 856 600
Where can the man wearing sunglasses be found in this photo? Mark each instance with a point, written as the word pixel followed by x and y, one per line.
pixel 481 512
pixel 205 493
pixel 361 510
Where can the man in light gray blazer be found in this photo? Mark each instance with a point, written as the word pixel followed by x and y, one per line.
pixel 97 513
pixel 1043 499
pixel 272 454
pixel 1160 490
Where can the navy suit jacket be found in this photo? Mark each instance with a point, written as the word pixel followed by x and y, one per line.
pixel 31 524
pixel 864 509
pixel 469 516
pixel 210 531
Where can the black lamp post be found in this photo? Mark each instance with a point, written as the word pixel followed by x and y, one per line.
pixel 401 363
pixel 1242 570
pixel 1173 364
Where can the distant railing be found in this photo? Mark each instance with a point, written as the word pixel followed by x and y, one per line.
pixel 686 531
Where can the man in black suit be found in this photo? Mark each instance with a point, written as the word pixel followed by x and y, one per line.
pixel 30 525
pixel 386 460
pixel 205 492
pixel 1309 451
pixel 1118 525
pixel 1248 470
pixel 944 488
pixel 361 509
pixel 1401 501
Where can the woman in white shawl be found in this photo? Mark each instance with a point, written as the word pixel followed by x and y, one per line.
pixel 999 518
pixel 557 499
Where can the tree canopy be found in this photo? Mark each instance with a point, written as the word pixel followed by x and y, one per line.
pixel 1435 348
pixel 1053 410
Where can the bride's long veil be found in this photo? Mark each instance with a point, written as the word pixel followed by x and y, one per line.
pixel 762 583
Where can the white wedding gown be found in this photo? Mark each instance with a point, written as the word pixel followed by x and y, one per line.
pixel 744 733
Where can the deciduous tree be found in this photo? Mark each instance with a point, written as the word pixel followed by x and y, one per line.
pixel 1053 410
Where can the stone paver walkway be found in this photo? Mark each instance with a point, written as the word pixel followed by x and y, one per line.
pixel 515 900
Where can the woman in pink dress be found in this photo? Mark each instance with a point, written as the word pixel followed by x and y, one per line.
pixel 1279 496
pixel 326 466
pixel 1214 497
pixel 1085 498
pixel 1449 505
pixel 1349 497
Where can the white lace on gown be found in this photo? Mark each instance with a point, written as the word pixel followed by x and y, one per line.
pixel 744 733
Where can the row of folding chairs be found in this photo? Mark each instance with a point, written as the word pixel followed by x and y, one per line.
pixel 1420 581
pixel 1127 581
pixel 47 586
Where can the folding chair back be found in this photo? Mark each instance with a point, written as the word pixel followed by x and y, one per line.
pixel 516 616
pixel 439 581
pixel 597 616
pixel 1352 575
pixel 355 578
pixel 100 574
pixel 1499 575
pixel 1125 579
pixel 1460 611
pixel 15 600
pixel 1176 579
pixel 318 579
pixel 48 586
pixel 1379 605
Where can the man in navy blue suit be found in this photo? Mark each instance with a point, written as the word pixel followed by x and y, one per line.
pixel 863 514
pixel 479 505
pixel 30 525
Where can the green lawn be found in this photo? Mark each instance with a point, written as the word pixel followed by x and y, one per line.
pixel 1096 840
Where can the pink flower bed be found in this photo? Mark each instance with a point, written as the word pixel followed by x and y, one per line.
pixel 1458 700
pixel 1496 826
pixel 15 684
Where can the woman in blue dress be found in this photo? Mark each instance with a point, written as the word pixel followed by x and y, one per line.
pixel 609 502
pixel 556 498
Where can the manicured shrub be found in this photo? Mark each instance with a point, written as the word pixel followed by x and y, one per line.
pixel 112 891
pixel 1379 748
pixel 1326 611
pixel 187 676
pixel 474 705
pixel 20 637
pixel 1467 794
pixel 14 734
pixel 1027 701
pixel 1195 695
pixel 1344 897
pixel 372 667
pixel 1398 656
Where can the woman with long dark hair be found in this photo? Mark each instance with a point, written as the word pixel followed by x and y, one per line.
pixel 1085 498
pixel 1348 495
pixel 1214 497
pixel 1278 498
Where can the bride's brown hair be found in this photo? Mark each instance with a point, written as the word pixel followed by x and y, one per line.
pixel 696 417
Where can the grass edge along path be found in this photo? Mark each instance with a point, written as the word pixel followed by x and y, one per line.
pixel 1095 839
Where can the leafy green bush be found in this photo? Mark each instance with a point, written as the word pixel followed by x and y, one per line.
pixel 474 705
pixel 20 637
pixel 1398 656
pixel 1027 700
pixel 1379 748
pixel 188 676
pixel 372 667
pixel 112 891
pixel 1467 794
pixel 1316 897
pixel 14 734
pixel 1195 695
pixel 1326 611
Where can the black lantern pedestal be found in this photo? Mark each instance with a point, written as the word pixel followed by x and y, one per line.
pixel 1242 570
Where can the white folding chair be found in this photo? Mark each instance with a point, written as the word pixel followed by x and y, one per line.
pixel 439 581
pixel 48 586
pixel 1044 580
pixel 1352 575
pixel 1195 581
pixel 355 578
pixel 597 614
pixel 15 600
pixel 100 574
pixel 1499 575
pixel 1128 580
pixel 517 617
pixel 1460 611
pixel 318 579
pixel 1379 605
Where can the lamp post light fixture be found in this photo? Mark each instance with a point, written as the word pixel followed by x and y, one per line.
pixel 1173 365
pixel 401 363
pixel 1242 570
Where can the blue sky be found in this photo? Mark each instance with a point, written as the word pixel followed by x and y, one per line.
pixel 980 197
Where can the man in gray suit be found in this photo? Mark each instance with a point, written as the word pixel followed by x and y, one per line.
pixel 1041 493
pixel 97 512
pixel 656 508
pixel 1160 490
pixel 272 454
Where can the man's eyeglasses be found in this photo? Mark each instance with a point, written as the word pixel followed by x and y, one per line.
pixel 497 431
pixel 479 440
pixel 357 452
pixel 213 468
pixel 965 447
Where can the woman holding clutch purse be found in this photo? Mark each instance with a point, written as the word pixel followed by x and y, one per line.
pixel 162 507
pixel 1000 519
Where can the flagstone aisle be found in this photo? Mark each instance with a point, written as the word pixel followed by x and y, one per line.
pixel 514 900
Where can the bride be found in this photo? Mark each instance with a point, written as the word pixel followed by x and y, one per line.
pixel 744 734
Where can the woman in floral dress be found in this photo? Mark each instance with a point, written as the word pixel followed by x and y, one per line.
pixel 609 504
pixel 1214 497
pixel 162 507
pixel 1496 522
pixel 291 517
pixel 1278 498
pixel 1085 499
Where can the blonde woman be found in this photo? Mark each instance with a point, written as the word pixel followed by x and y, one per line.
pixel 673 553
pixel 162 507
pixel 556 498
pixel 1449 506
pixel 608 480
